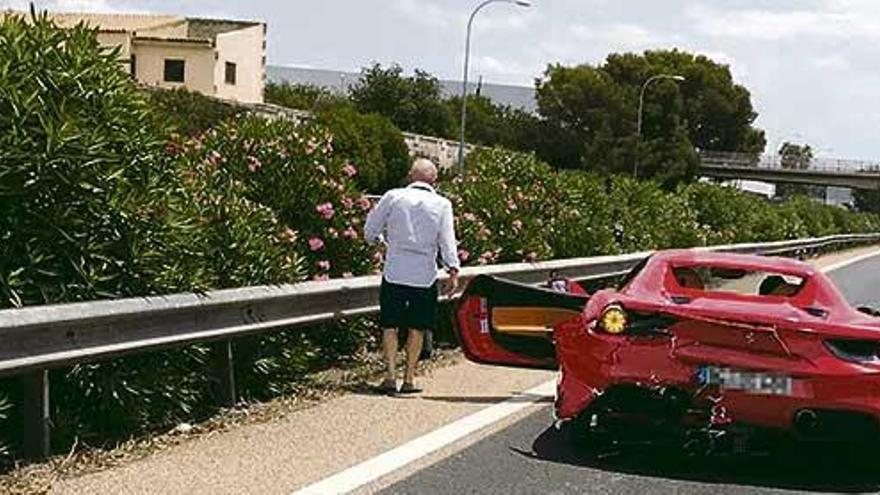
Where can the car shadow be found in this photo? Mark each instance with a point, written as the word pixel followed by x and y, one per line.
pixel 811 469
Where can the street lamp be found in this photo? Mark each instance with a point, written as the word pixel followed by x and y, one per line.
pixel 464 82
pixel 651 79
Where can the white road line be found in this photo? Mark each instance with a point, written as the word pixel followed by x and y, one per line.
pixel 841 264
pixel 392 460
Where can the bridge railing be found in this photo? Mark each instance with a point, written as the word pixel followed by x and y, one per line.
pixel 777 162
pixel 36 339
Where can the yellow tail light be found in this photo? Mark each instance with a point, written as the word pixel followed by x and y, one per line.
pixel 614 319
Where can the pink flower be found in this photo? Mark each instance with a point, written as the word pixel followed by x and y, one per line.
pixel 347 203
pixel 347 275
pixel 323 277
pixel 215 158
pixel 511 205
pixel 324 265
pixel 254 163
pixel 349 170
pixel 350 233
pixel 517 224
pixel 531 256
pixel 463 254
pixel 325 210
pixel 365 203
pixel 316 244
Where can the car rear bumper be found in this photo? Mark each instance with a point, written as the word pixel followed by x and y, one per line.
pixel 817 408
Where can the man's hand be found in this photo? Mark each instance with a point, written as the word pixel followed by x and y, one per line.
pixel 451 283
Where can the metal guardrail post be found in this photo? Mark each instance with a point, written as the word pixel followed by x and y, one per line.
pixel 35 413
pixel 223 364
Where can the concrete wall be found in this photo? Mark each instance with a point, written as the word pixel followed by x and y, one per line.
pixel 173 29
pixel 443 152
pixel 151 55
pixel 113 22
pixel 120 39
pixel 244 48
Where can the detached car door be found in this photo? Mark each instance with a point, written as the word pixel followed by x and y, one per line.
pixel 510 324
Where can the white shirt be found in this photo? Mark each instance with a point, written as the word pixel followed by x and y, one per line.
pixel 416 223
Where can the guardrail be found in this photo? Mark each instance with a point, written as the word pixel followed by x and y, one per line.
pixel 38 338
pixel 794 164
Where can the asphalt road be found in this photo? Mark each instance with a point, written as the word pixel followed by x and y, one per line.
pixel 531 456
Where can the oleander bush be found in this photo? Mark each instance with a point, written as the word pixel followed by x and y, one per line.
pixel 187 112
pixel 584 223
pixel 291 170
pixel 512 207
pixel 505 205
pixel 94 207
pixel 372 143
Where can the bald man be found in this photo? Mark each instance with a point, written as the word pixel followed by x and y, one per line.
pixel 416 224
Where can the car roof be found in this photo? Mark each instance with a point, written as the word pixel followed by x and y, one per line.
pixel 685 257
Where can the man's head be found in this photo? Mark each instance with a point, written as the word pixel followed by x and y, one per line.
pixel 423 170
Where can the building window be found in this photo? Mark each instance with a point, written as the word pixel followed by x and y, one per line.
pixel 175 71
pixel 230 73
pixel 134 67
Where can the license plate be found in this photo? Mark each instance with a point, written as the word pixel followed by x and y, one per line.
pixel 748 381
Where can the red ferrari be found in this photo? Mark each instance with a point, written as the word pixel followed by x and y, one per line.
pixel 690 341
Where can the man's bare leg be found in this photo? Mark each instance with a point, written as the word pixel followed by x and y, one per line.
pixel 389 348
pixel 413 349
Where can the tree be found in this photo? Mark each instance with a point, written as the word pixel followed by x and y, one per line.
pixel 413 104
pixel 867 200
pixel 797 157
pixel 717 112
pixel 595 109
pixel 302 96
pixel 370 142
pixel 492 124
pixel 586 105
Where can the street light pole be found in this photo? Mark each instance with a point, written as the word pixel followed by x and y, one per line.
pixel 651 79
pixel 464 80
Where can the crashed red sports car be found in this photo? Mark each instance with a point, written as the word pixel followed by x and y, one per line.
pixel 690 341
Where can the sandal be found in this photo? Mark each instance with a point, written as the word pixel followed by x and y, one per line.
pixel 409 388
pixel 389 386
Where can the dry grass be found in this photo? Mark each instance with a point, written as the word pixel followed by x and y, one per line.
pixel 36 478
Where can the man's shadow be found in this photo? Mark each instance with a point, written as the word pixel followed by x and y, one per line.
pixel 805 469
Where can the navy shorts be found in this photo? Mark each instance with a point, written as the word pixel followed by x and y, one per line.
pixel 406 307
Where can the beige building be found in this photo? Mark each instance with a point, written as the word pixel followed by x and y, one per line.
pixel 219 58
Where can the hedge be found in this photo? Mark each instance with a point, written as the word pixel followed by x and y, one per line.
pixel 513 207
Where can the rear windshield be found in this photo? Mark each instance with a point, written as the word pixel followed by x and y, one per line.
pixel 737 280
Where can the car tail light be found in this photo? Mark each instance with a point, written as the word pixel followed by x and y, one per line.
pixel 614 320
pixel 856 351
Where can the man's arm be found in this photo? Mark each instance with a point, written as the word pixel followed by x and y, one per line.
pixel 374 228
pixel 449 248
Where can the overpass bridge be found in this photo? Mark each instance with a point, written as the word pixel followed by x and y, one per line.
pixel 853 174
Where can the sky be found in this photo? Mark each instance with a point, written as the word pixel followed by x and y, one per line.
pixel 811 65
